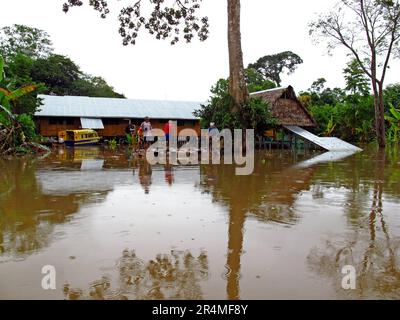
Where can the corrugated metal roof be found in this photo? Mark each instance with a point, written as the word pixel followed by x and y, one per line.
pixel 92 123
pixel 72 106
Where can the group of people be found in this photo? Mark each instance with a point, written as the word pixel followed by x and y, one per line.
pixel 142 136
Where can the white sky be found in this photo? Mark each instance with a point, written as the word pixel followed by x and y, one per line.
pixel 156 70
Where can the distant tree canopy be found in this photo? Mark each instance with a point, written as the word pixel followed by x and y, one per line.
pixel 20 39
pixel 57 72
pixel 92 86
pixel 271 67
pixel 29 59
pixel 256 82
pixel 63 77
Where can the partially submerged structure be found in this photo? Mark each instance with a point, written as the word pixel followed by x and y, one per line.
pixel 110 117
pixel 295 121
pixel 286 108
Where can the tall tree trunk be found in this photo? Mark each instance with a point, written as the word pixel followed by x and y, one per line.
pixel 237 81
pixel 381 118
pixel 379 107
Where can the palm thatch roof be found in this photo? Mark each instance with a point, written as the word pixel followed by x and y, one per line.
pixel 286 108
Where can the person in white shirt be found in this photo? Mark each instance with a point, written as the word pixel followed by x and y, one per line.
pixel 146 129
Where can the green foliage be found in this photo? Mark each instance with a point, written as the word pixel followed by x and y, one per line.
pixel 365 131
pixel 29 69
pixel 346 113
pixel 271 67
pixel 318 95
pixel 349 117
pixel 330 127
pixel 254 114
pixel 27 125
pixel 392 95
pixel 10 91
pixel 18 71
pixel 93 87
pixel 30 61
pixel 113 143
pixel 20 67
pixel 393 118
pixel 256 82
pixel 1 68
pixel 354 122
pixel 129 138
pixel 218 108
pixel 57 72
pixel 20 39
pixel 318 85
pixel 17 132
pixel 62 76
pixel 356 80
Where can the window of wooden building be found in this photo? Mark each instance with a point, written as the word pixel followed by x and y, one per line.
pixel 61 121
pixel 111 121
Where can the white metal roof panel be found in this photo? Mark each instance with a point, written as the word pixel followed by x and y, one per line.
pixel 85 107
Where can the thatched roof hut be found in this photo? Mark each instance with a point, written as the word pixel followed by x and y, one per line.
pixel 286 108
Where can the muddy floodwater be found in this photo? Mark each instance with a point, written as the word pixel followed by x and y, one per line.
pixel 113 227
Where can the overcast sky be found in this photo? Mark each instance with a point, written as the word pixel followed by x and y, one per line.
pixel 156 70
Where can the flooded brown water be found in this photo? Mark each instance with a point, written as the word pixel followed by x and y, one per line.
pixel 116 228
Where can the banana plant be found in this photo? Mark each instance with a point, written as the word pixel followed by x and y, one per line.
pixel 330 128
pixel 394 121
pixel 8 95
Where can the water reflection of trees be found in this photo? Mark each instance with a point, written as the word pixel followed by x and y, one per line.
pixel 27 215
pixel 173 276
pixel 268 195
pixel 358 174
pixel 371 250
pixel 369 246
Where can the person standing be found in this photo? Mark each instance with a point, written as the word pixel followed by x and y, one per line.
pixel 146 129
pixel 131 131
pixel 167 132
pixel 212 134
pixel 212 130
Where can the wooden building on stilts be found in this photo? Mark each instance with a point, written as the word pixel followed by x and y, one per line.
pixel 287 109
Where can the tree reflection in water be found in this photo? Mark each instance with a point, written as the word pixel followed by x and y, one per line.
pixel 268 195
pixel 171 276
pixel 27 215
pixel 370 248
pixel 368 238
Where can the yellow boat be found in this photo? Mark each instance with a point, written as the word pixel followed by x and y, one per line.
pixel 79 137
